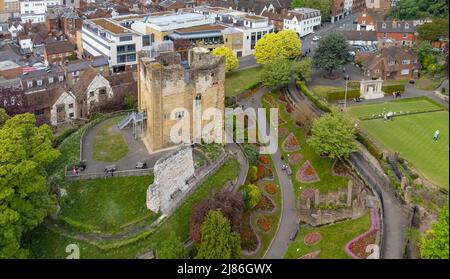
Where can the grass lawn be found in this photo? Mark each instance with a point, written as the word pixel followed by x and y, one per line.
pixel 333 241
pixel 45 243
pixel 238 81
pixel 108 205
pixel 403 105
pixel 109 145
pixel 322 90
pixel 328 182
pixel 411 136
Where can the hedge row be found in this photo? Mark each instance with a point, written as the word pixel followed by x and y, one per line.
pixel 389 89
pixel 321 104
pixel 354 93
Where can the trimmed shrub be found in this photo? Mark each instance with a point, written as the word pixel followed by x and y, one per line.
pixel 321 104
pixel 340 95
pixel 389 89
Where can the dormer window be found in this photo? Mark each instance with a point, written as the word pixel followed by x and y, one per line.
pixel 29 84
pixel 39 82
pixel 406 25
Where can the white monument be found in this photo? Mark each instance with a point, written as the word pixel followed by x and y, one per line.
pixel 174 175
pixel 371 89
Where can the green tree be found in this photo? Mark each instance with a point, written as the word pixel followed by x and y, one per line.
pixel 253 173
pixel 323 5
pixel 231 61
pixel 218 240
pixel 303 69
pixel 284 44
pixel 252 195
pixel 3 116
pixel 172 248
pixel 435 242
pixel 332 53
pixel 333 135
pixel 252 153
pixel 276 73
pixel 424 49
pixel 419 9
pixel 433 31
pixel 26 152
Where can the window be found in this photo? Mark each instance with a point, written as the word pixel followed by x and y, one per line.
pixel 39 82
pixel 146 40
pixel 391 62
pixel 405 35
pixel 61 55
pixel 91 94
pixel 126 38
pixel 102 91
pixel 383 25
pixel 70 105
pixel 38 112
pixel 405 62
pixel 60 108
pixel 405 72
pixel 71 115
pixel 385 35
pixel 54 56
pixel 29 84
pixel 51 80
pixel 61 78
pixel 406 25
pixel 179 114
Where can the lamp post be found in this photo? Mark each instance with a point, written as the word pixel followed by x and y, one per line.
pixel 345 97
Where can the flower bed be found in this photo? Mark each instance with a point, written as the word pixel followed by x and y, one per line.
pixel 270 188
pixel 339 168
pixel 307 174
pixel 294 158
pixel 269 99
pixel 264 159
pixel 282 98
pixel 356 247
pixel 265 204
pixel 308 193
pixel 291 143
pixel 312 238
pixel 249 240
pixel 289 108
pixel 264 223
pixel 264 172
pixel 310 256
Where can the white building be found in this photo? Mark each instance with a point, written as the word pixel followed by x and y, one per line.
pixel 348 4
pixel 34 10
pixel 302 20
pixel 109 38
pixel 251 27
pixel 15 28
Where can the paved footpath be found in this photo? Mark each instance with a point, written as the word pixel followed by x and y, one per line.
pixel 289 216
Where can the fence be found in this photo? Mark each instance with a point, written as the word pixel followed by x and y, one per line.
pixel 122 173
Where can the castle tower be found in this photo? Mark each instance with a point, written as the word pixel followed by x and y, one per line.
pixel 171 90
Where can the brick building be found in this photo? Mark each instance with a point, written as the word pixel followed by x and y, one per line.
pixel 55 52
pixel 401 32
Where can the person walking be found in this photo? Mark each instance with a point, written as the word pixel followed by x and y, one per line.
pixel 436 135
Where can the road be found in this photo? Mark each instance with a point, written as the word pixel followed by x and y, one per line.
pixel 345 24
pixel 307 43
pixel 289 214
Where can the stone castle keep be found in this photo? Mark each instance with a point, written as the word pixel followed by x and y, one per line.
pixel 170 90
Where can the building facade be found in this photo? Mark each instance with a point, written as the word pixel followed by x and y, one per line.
pixel 400 32
pixel 170 92
pixel 105 37
pixel 302 20
pixel 34 10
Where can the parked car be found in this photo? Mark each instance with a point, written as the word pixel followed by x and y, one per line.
pixel 110 168
pixel 141 165
pixel 81 165
pixel 316 38
pixel 288 170
pixel 294 234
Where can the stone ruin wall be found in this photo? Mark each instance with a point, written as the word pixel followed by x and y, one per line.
pixel 353 198
pixel 174 174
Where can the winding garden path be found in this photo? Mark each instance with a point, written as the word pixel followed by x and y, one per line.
pixel 289 216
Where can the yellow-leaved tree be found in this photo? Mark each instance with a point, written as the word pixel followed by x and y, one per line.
pixel 284 44
pixel 231 62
